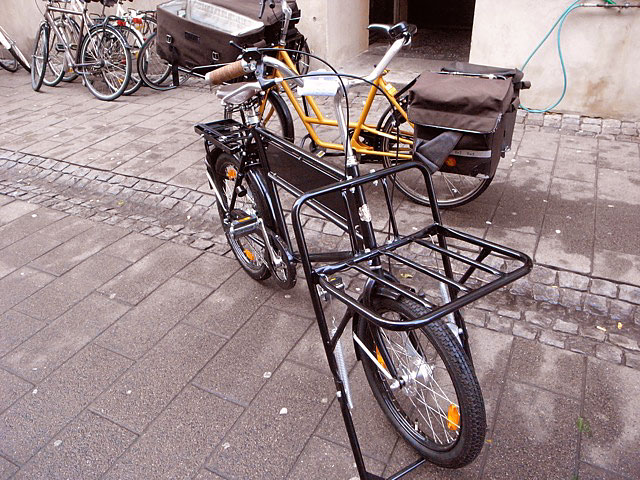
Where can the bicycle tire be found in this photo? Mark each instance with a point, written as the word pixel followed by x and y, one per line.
pixel 468 429
pixel 135 42
pixel 40 57
pixel 153 70
pixel 7 61
pixel 56 65
pixel 452 189
pixel 273 103
pixel 301 59
pixel 115 54
pixel 246 249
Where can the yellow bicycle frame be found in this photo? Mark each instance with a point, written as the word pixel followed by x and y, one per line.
pixel 358 127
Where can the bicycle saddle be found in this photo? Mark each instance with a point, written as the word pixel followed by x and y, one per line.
pixel 396 31
pixel 246 90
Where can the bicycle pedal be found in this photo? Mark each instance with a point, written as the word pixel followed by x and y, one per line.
pixel 245 226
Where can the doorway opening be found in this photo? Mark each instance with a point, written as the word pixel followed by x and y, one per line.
pixel 444 28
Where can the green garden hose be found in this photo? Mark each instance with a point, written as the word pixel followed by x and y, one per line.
pixel 559 24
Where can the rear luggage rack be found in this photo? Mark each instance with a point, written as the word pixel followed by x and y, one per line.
pixel 228 135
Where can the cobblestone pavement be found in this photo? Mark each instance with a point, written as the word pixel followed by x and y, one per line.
pixel 105 215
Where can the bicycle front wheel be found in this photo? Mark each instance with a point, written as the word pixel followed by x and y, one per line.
pixel 7 61
pixel 40 57
pixel 56 63
pixel 106 62
pixel 438 406
pixel 452 189
pixel 154 71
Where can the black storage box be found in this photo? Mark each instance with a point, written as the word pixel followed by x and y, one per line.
pixel 480 101
pixel 193 33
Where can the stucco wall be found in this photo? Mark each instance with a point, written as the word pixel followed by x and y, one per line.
pixel 336 29
pixel 600 49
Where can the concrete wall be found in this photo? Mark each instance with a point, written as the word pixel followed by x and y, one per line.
pixel 600 49
pixel 336 29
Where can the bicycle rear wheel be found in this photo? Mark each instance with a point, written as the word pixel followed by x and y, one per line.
pixel 438 406
pixel 452 189
pixel 249 250
pixel 40 57
pixel 107 62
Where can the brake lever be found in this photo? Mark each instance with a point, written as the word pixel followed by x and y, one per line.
pixel 234 44
pixel 262 5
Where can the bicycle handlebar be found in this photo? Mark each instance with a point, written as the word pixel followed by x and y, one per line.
pixel 226 73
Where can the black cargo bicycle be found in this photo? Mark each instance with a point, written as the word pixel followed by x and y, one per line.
pixel 402 286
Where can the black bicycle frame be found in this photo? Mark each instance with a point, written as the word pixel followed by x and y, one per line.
pixel 340 198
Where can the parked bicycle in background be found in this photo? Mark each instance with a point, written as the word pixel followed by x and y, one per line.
pixel 10 55
pixel 98 52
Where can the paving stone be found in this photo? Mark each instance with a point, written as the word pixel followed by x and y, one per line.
pixel 85 449
pixel 612 438
pixel 45 351
pixel 592 333
pixel 255 358
pixel 16 328
pixel 525 331
pixel 19 285
pixel 621 310
pixel 140 279
pixel 604 288
pixel 27 224
pixel 503 312
pixel 548 441
pixel 522 287
pixel 542 319
pixel 499 324
pixel 15 210
pixel 29 423
pixel 180 439
pixel 78 249
pixel 11 389
pixel 136 332
pixel 150 385
pixel 264 443
pixel 630 294
pixel 547 367
pixel 132 247
pixel 565 327
pixel 546 294
pixel 61 294
pixel 210 270
pixel 553 338
pixel 571 298
pixel 623 341
pixel 595 304
pixel 609 353
pixel 475 317
pixel 230 306
pixel 7 469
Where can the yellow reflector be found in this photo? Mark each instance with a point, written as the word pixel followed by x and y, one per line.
pixel 451 161
pixel 249 255
pixel 453 418
pixel 380 359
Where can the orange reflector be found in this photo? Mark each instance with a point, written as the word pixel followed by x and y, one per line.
pixel 380 359
pixel 137 20
pixel 451 161
pixel 232 174
pixel 121 23
pixel 453 418
pixel 249 255
pixel 244 219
